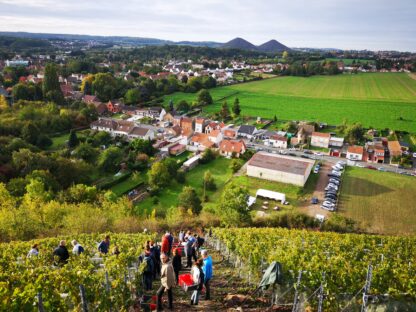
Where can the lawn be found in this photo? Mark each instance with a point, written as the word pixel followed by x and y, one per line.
pixel 129 184
pixel 59 141
pixel 168 197
pixel 348 62
pixel 382 202
pixel 375 99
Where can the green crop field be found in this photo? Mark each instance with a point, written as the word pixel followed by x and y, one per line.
pixel 381 100
pixel 382 202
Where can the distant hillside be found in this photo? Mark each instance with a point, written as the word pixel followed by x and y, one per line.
pixel 272 46
pixel 23 43
pixel 118 40
pixel 239 43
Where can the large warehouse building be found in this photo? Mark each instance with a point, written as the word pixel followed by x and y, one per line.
pixel 280 168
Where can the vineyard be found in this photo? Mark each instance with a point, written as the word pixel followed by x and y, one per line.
pixel 110 282
pixel 338 263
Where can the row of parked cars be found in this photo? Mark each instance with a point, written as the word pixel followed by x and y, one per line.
pixel 331 190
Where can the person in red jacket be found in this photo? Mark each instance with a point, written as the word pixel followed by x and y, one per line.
pixel 165 244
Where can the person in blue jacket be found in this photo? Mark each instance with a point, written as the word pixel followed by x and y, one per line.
pixel 104 246
pixel 207 269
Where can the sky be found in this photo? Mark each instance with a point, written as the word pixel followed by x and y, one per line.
pixel 344 24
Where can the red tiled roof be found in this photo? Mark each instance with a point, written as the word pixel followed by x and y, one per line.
pixel 322 135
pixel 355 149
pixel 230 146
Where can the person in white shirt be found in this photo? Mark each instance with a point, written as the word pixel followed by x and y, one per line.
pixel 198 280
pixel 34 251
pixel 78 249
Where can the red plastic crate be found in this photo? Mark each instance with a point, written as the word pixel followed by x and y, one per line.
pixel 185 280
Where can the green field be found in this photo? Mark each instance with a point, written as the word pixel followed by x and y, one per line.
pixel 381 100
pixel 168 197
pixel 129 184
pixel 382 202
pixel 348 62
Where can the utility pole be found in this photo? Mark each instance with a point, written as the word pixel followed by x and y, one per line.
pixel 321 294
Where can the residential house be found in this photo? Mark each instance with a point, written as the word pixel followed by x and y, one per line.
pixel 336 142
pixel 200 124
pixel 66 89
pixel 104 124
pixel 247 131
pixel 374 152
pixel 278 141
pixel 201 141
pixel 100 107
pixel 215 137
pixel 213 125
pixel 304 132
pixel 187 124
pixel 127 110
pixel 395 149
pixel 404 146
pixel 124 127
pixel 177 119
pixel 89 99
pixel 168 118
pixel 176 149
pixel 140 132
pixel 230 133
pixel 319 139
pixel 232 148
pixel 174 131
pixel 114 106
pixel 355 152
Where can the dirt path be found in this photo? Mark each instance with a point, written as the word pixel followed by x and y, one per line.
pixel 413 76
pixel 225 282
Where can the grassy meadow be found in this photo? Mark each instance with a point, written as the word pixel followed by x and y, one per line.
pixel 381 100
pixel 382 202
pixel 168 197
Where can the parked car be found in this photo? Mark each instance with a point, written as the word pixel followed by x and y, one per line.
pixel 283 152
pixel 382 169
pixel 314 200
pixel 335 181
pixel 359 165
pixel 308 152
pixel 318 154
pixel 291 154
pixel 414 155
pixel 371 168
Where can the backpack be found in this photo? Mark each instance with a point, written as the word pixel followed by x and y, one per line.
pixel 80 250
pixel 149 265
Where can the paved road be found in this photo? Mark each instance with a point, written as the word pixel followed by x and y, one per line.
pixel 298 153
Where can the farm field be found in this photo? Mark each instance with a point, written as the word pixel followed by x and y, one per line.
pixel 382 202
pixel 381 100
